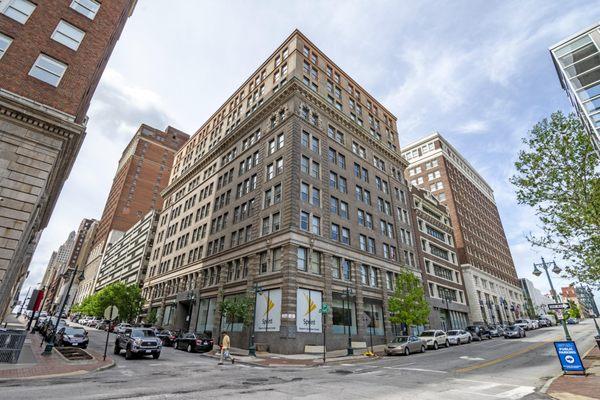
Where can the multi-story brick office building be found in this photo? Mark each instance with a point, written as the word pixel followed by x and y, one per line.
pixel 52 54
pixel 126 260
pixel 296 185
pixel 437 256
pixel 142 173
pixel 493 289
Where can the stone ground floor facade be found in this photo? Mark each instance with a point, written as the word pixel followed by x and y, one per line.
pixel 37 150
pixel 290 296
pixel 491 300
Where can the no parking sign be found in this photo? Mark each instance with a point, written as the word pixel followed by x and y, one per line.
pixel 568 356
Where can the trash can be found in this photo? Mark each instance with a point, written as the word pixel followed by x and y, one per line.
pixel 11 343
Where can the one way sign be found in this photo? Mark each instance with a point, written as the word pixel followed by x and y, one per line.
pixel 558 306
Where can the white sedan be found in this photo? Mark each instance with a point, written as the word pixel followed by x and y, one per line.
pixel 459 337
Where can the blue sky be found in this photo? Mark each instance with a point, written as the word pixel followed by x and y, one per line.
pixel 478 72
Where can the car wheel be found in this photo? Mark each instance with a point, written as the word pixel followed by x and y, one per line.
pixel 155 356
pixel 422 349
pixel 117 349
pixel 469 340
pixel 435 345
pixel 128 354
pixel 189 348
pixel 447 343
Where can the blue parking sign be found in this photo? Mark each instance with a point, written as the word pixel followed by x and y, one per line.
pixel 569 356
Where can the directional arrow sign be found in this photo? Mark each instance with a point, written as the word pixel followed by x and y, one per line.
pixel 558 306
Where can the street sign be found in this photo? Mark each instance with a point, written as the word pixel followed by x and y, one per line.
pixel 325 309
pixel 558 306
pixel 569 356
pixel 111 312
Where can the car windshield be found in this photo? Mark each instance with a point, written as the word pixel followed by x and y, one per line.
pixel 141 333
pixel 427 333
pixel 512 328
pixel 74 331
pixel 453 333
pixel 400 339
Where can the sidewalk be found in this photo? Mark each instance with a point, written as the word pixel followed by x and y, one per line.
pixel 579 387
pixel 32 365
pixel 266 359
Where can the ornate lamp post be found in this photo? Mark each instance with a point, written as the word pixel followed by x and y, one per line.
pixel 191 296
pixel 447 299
pixel 252 345
pixel 348 295
pixel 556 269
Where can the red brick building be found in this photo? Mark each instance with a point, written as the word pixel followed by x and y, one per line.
pixel 52 54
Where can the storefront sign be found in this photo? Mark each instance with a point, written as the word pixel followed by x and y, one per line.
pixel 308 304
pixel 268 311
pixel 569 356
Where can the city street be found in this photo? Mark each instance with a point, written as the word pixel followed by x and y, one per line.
pixel 500 368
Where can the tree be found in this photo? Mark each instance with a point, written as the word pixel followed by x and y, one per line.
pixel 408 304
pixel 151 317
pixel 128 300
pixel 573 311
pixel 558 175
pixel 238 309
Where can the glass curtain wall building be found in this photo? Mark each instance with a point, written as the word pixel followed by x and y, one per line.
pixel 577 62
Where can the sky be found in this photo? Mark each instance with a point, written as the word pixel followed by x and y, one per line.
pixel 478 72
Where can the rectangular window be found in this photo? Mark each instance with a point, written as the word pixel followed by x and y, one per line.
pixel 315 262
pixel 68 35
pixel 48 70
pixel 335 232
pixel 304 216
pixel 277 255
pixel 19 10
pixel 316 225
pixel 304 190
pixel 5 42
pixel 89 8
pixel 302 262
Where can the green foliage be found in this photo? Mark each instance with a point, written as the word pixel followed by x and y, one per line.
pixel 238 309
pixel 151 317
pixel 408 304
pixel 558 175
pixel 128 300
pixel 573 311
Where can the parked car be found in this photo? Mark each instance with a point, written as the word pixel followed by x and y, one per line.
pixel 435 338
pixel 71 336
pixel 104 325
pixel 479 332
pixel 535 324
pixel 459 336
pixel 121 328
pixel 496 330
pixel 82 320
pixel 573 321
pixel 405 345
pixel 514 331
pixel 138 341
pixel 168 337
pixel 524 323
pixel 194 342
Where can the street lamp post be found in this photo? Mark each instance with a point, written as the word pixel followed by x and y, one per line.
pixel 23 303
pixel 556 269
pixel 594 310
pixel 191 296
pixel 489 304
pixel 446 298
pixel 252 345
pixel 350 350
pixel 50 344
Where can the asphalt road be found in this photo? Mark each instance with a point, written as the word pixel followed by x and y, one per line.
pixel 496 369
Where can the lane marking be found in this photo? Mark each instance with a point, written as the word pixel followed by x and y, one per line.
pixel 503 358
pixel 471 358
pixel 420 370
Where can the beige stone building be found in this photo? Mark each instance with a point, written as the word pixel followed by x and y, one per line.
pixel 294 185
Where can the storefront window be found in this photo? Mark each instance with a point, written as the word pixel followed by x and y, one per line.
pixel 206 316
pixel 344 314
pixel 374 309
pixel 232 324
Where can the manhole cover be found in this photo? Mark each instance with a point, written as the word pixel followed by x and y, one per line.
pixel 74 354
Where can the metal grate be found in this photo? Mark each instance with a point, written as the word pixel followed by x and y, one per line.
pixel 11 343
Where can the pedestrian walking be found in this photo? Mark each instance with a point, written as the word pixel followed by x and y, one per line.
pixel 225 346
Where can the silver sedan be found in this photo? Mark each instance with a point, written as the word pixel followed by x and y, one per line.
pixel 405 345
pixel 459 337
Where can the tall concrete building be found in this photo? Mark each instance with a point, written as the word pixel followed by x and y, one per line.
pixel 85 279
pixel 536 303
pixel 52 54
pixel 493 289
pixel 142 173
pixel 56 266
pixel 294 184
pixel 437 257
pixel 577 62
pixel 126 260
pixel 589 308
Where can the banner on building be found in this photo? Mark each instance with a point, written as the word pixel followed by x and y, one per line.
pixel 268 311
pixel 33 300
pixel 308 304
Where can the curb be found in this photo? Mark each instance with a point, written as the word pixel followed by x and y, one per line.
pixel 546 386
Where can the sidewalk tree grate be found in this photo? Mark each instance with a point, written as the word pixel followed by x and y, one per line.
pixel 74 353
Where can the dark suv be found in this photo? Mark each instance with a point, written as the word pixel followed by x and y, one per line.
pixel 479 332
pixel 138 341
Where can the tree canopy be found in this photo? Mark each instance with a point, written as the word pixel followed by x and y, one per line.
pixel 128 300
pixel 408 304
pixel 559 177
